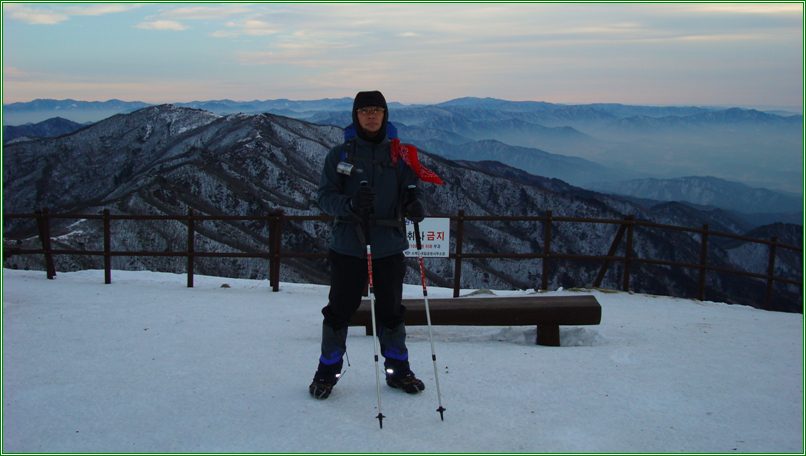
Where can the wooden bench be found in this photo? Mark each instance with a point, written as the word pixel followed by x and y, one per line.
pixel 545 312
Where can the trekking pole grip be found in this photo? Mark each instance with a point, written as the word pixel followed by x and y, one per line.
pixel 410 197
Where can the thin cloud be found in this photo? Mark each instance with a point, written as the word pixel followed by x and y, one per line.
pixel 748 8
pixel 50 16
pixel 99 9
pixel 14 73
pixel 205 12
pixel 250 27
pixel 33 15
pixel 161 25
pixel 297 55
pixel 303 49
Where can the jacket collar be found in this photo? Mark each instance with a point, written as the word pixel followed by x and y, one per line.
pixel 364 143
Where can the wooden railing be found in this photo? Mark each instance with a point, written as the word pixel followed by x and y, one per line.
pixel 275 253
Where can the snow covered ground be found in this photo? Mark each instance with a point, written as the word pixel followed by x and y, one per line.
pixel 146 364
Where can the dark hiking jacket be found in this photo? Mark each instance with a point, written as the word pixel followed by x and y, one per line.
pixel 388 232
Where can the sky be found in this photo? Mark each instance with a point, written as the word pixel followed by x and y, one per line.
pixel 735 54
pixel 146 364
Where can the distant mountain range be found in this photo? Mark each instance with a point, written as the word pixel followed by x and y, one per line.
pixel 728 119
pixel 45 129
pixel 707 191
pixel 78 111
pixel 581 144
pixel 167 159
pixel 93 111
pixel 574 170
pixel 549 113
pixel 748 146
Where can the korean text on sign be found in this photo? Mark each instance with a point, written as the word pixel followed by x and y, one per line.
pixel 434 237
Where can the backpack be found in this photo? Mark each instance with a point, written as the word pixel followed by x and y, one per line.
pixel 349 145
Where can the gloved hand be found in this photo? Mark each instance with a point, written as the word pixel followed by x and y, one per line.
pixel 415 211
pixel 363 198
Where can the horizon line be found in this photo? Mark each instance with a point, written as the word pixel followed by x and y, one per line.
pixel 709 105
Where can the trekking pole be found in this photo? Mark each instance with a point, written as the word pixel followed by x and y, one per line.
pixel 380 416
pixel 441 409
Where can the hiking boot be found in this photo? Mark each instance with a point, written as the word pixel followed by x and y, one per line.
pixel 408 383
pixel 320 390
pixel 322 384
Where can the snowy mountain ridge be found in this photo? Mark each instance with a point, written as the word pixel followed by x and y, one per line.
pixel 760 149
pixel 167 159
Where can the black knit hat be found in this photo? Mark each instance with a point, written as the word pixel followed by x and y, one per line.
pixel 364 99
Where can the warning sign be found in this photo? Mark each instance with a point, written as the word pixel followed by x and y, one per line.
pixel 434 237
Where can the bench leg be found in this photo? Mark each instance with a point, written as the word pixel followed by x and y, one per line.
pixel 548 335
pixel 368 329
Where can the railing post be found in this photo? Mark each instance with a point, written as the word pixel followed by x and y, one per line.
pixel 546 252
pixel 107 248
pixel 613 249
pixel 43 223
pixel 703 263
pixel 276 245
pixel 628 253
pixel 191 243
pixel 771 274
pixel 457 270
pixel 40 226
pixel 272 245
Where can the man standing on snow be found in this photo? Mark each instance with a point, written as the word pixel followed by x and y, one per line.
pixel 381 203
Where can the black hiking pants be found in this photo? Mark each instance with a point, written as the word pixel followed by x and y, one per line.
pixel 348 275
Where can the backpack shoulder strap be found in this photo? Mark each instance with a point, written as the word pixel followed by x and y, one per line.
pixel 349 146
